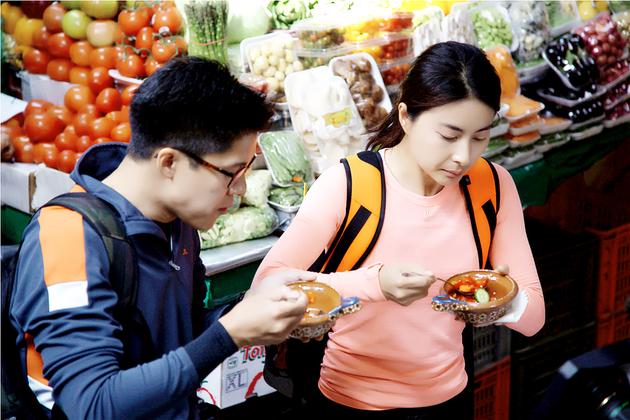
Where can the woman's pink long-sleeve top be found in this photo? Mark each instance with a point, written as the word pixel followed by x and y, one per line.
pixel 391 356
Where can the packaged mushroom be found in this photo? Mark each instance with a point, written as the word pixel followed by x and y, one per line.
pixel 366 86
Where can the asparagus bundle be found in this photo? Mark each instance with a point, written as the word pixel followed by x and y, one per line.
pixel 207 24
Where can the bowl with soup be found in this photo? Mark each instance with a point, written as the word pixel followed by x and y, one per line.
pixel 325 306
pixel 477 297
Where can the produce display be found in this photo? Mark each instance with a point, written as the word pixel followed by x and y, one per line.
pixel 244 224
pixel 533 28
pixel 395 48
pixel 285 13
pixel 367 92
pixel 569 60
pixel 318 34
pixel 551 141
pixel 458 27
pixel 602 40
pixel 615 73
pixel 398 22
pixel 526 125
pixel 616 95
pixel 622 20
pixel 492 27
pixel 501 59
pixel 621 110
pixel 286 158
pixel 207 22
pixel 394 74
pixel 428 29
pixel 581 113
pixel 521 107
pixel 272 58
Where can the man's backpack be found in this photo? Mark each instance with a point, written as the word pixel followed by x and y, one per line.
pixel 17 398
pixel 293 367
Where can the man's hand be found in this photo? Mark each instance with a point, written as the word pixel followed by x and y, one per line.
pixel 268 312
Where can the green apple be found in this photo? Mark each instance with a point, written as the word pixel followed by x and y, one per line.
pixel 100 9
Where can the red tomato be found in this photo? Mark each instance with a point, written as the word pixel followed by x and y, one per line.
pixel 80 53
pixel 125 113
pixel 70 130
pixel 59 69
pixel 66 141
pixel 167 20
pixel 52 17
pixel 102 140
pixel 127 94
pixel 41 150
pixel 101 127
pixel 36 106
pixel 151 66
pixel 40 38
pixel 83 143
pixel 91 110
pixel 36 61
pixel 66 161
pixel 145 38
pixel 62 113
pixel 80 75
pixel 59 45
pixel 11 132
pixel 82 123
pixel 131 22
pixel 182 47
pixel 131 66
pixel 108 100
pixel 100 79
pixel 163 50
pixel 116 116
pixel 43 127
pixel 122 132
pixel 77 97
pixel 103 57
pixel 23 149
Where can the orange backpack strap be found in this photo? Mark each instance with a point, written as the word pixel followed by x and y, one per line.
pixel 365 210
pixel 481 190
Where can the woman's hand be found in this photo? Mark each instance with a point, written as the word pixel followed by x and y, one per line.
pixel 405 283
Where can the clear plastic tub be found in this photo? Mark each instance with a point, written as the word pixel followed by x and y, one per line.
pixel 493 26
pixel 457 26
pixel 429 29
pixel 589 132
pixel 395 72
pixel 361 27
pixel 315 58
pixel 495 147
pixel 271 56
pixel 551 125
pixel 531 23
pixel 320 33
pixel 385 49
pixel 397 21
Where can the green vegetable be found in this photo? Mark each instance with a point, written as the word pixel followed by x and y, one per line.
pixel 207 24
pixel 491 28
pixel 246 19
pixel 285 12
pixel 244 224
pixel 553 138
pixel 258 185
pixel 289 196
pixel 482 296
pixel 286 158
pixel 495 143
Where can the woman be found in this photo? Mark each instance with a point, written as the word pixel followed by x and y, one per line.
pixel 397 357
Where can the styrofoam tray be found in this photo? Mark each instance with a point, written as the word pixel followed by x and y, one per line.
pixel 527 114
pixel 511 160
pixel 523 161
pixel 576 126
pixel 545 129
pixel 517 131
pixel 499 130
pixel 518 144
pixel 376 74
pixel 587 133
pixel 542 148
pixel 570 103
pixel 496 151
pixel 616 122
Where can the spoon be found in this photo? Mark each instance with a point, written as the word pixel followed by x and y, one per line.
pixel 412 274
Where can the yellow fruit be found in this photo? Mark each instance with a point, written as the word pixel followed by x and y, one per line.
pixel 587 10
pixel 10 17
pixel 601 5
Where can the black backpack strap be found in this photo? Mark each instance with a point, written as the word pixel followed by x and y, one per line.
pixel 105 220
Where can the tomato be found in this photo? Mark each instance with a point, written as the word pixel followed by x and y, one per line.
pixel 43 127
pixel 101 127
pixel 59 45
pixel 52 17
pixel 36 61
pixel 77 97
pixel 82 123
pixel 40 38
pixel 36 106
pixel 77 157
pixel 103 57
pixel 131 66
pixel 144 38
pixel 70 130
pixel 83 143
pixel 103 33
pixel 125 113
pixel 100 79
pixel 167 20
pixel 131 22
pixel 151 66
pixel 182 47
pixel 66 161
pixel 41 150
pixel 108 100
pixel 102 140
pixel 11 132
pixel 127 94
pixel 122 51
pixel 59 69
pixel 50 158
pixel 163 50
pixel 25 29
pixel 122 132
pixel 66 141
pixel 80 75
pixel 34 8
pixel 23 149
pixel 90 109
pixel 10 17
pixel 80 53
pixel 116 116
pixel 62 113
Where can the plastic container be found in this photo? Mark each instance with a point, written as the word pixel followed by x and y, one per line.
pixel 518 156
pixel 551 141
pixel 531 24
pixel 602 39
pixel 577 126
pixel 569 103
pixel 532 69
pixel 522 107
pixel 271 56
pixel 495 147
pixel 398 21
pixel 317 58
pixel 563 16
pixel 319 33
pixel 589 132
pixel 522 161
pixel 492 390
pixel 395 72
pixel 457 25
pixel 500 129
pixel 617 95
pixel 552 125
pixel 617 121
pixel 523 140
pixel 493 26
pixel 623 77
pixel 428 29
pixel 288 149
pixel 361 27
pixel 526 125
pixel 365 91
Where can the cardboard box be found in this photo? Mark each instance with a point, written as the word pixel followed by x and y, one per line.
pixel 27 186
pixel 40 86
pixel 240 376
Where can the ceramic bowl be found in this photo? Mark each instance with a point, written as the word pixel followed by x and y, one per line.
pixel 325 305
pixel 502 289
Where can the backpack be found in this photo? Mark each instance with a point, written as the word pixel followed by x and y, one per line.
pixel 293 367
pixel 18 400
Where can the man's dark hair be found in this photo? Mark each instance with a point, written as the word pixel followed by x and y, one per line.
pixel 195 105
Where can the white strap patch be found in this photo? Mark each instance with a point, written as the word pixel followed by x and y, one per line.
pixel 67 295
pixel 42 392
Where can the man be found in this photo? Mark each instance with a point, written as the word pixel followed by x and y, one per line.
pixel 193 137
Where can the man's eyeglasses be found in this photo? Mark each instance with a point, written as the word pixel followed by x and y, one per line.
pixel 234 176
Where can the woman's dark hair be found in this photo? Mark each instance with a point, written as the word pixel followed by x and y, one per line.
pixel 195 105
pixel 444 73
